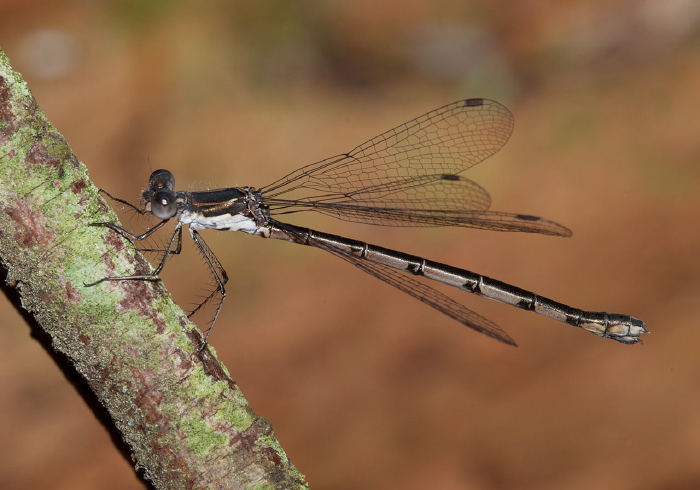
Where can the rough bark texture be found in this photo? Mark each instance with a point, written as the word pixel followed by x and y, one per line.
pixel 186 422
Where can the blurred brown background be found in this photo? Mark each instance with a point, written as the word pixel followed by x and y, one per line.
pixel 366 387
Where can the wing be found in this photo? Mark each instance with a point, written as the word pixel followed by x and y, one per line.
pixel 428 295
pixel 447 140
pixel 408 176
pixel 408 284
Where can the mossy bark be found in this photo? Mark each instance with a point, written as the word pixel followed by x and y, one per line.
pixel 186 422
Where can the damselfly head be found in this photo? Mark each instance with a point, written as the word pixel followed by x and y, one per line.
pixel 160 198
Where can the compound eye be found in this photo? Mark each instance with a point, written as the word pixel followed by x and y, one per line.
pixel 163 204
pixel 161 179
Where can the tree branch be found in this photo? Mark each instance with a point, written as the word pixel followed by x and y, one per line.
pixel 185 420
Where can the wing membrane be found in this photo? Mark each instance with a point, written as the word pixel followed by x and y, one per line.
pixel 408 176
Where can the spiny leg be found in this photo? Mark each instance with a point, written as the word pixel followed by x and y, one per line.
pixel 153 276
pixel 122 201
pixel 220 276
pixel 127 234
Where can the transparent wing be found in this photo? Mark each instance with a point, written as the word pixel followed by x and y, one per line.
pixel 447 140
pixel 428 295
pixel 408 175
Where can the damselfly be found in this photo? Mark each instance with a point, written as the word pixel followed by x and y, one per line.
pixel 408 176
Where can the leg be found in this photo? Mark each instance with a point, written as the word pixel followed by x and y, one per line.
pixel 122 201
pixel 153 276
pixel 220 277
pixel 128 234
